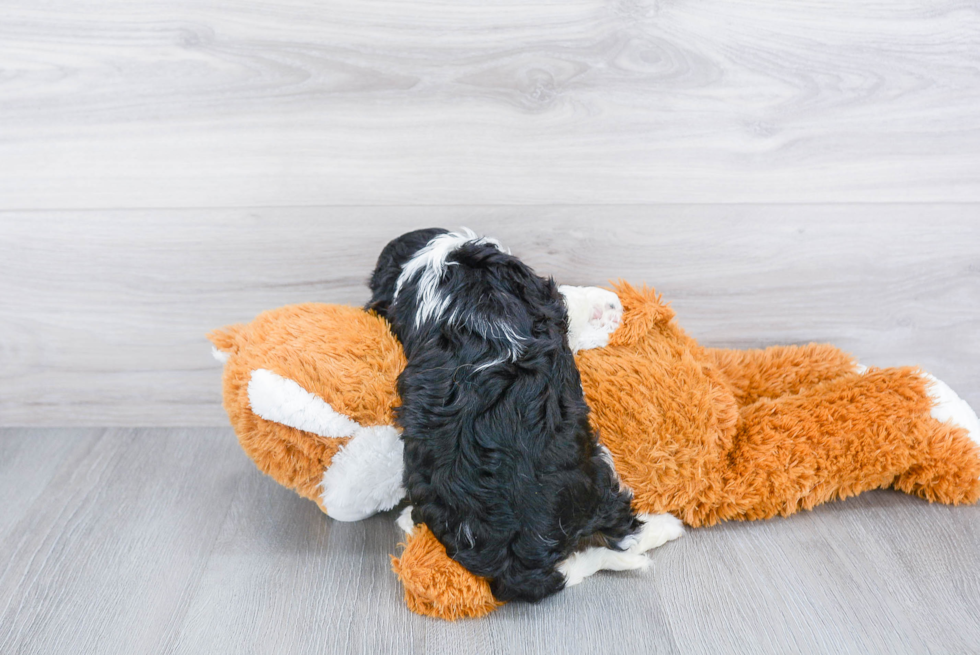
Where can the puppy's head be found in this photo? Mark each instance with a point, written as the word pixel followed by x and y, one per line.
pixel 395 255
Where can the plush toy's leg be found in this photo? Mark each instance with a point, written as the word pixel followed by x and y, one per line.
pixel 779 370
pixel 842 437
pixel 436 585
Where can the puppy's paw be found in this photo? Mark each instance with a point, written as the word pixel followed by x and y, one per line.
pixel 947 406
pixel 657 530
pixel 584 563
pixel 593 315
pixel 404 521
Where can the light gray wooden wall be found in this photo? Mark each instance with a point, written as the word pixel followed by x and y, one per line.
pixel 783 172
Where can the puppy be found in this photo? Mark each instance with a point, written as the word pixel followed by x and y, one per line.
pixel 500 460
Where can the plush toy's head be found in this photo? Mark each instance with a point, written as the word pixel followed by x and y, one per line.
pixel 302 383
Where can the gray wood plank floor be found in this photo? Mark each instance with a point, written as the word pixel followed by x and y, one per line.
pixel 170 541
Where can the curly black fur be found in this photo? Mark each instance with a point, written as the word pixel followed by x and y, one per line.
pixel 500 460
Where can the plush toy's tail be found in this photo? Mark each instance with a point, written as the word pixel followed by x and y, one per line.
pixel 225 341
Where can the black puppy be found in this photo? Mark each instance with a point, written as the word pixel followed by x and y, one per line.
pixel 500 460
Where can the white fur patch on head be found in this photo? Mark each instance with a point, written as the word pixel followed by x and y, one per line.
pixel 282 400
pixel 593 315
pixel 430 264
pixel 365 476
pixel 947 406
pixel 490 330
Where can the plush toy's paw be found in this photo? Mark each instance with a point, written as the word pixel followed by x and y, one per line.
pixel 593 314
pixel 947 406
pixel 365 476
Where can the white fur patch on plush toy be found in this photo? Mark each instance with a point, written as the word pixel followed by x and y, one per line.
pixel 365 476
pixel 220 355
pixel 282 400
pixel 948 406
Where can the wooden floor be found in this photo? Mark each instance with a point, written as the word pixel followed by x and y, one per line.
pixel 169 540
pixel 782 172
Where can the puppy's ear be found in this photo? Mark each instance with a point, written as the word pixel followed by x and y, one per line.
pixel 383 280
pixel 382 291
pixel 379 307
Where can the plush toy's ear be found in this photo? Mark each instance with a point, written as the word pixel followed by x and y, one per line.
pixel 436 585
pixel 225 341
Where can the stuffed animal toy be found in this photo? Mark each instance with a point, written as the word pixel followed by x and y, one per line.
pixel 701 434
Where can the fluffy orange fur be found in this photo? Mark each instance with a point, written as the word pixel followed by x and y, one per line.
pixel 436 585
pixel 346 356
pixel 705 434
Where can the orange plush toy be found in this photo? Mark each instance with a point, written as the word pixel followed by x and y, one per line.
pixel 700 434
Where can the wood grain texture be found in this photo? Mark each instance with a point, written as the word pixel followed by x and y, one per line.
pixel 114 104
pixel 103 314
pixel 170 541
pixel 104 559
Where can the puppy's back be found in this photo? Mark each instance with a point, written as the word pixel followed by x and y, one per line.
pixel 500 460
